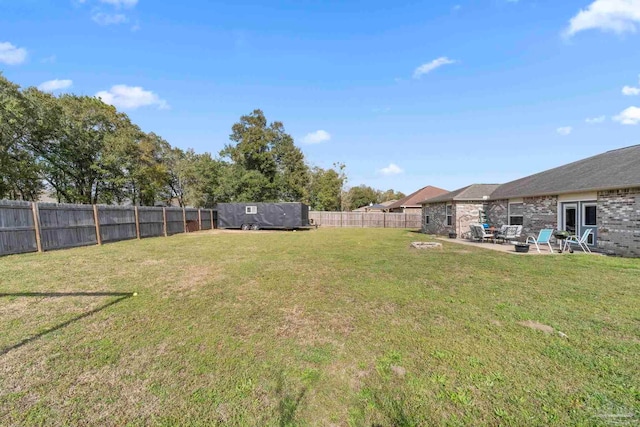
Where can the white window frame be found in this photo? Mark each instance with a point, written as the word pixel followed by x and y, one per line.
pixel 251 210
pixel 448 212
pixel 584 214
pixel 509 212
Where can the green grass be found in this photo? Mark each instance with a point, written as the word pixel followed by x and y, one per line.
pixel 326 327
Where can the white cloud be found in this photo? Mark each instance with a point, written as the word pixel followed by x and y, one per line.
pixel 53 85
pixel 109 18
pixel 430 66
pixel 316 137
pixel 392 169
pixel 131 97
pixel 595 120
pixel 120 3
pixel 618 16
pixel 630 91
pixel 565 130
pixel 630 116
pixel 12 55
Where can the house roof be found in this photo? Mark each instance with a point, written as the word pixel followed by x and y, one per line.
pixel 473 192
pixel 415 199
pixel 614 169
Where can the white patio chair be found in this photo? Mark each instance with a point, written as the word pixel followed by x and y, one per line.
pixel 544 238
pixel 511 233
pixel 582 241
pixel 482 234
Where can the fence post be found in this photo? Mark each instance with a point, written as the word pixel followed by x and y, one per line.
pixel 199 219
pixel 96 219
pixel 384 220
pixel 135 210
pixel 340 219
pixel 164 221
pixel 36 224
pixel 405 220
pixel 211 216
pixel 362 220
pixel 184 218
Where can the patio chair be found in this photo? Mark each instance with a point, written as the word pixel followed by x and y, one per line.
pixel 544 238
pixel 582 241
pixel 510 233
pixel 518 231
pixel 473 234
pixel 482 234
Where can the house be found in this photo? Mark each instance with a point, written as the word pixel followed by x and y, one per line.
pixel 412 202
pixel 454 211
pixel 600 193
pixel 378 207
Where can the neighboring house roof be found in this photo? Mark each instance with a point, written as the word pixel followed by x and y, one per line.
pixel 611 170
pixel 387 203
pixel 377 206
pixel 473 192
pixel 414 200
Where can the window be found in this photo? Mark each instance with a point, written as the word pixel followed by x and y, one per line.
pixel 589 218
pixel 449 210
pixel 516 213
pixel 251 210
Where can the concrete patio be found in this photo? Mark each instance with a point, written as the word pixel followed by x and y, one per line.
pixel 504 247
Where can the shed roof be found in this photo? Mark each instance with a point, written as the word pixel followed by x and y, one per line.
pixel 415 199
pixel 473 192
pixel 614 169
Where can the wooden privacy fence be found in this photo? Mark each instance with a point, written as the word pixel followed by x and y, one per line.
pixel 366 219
pixel 37 227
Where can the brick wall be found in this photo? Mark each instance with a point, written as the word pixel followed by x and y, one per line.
pixel 539 213
pixel 437 218
pixel 619 222
pixel 466 213
pixel 497 212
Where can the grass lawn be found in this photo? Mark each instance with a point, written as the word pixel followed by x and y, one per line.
pixel 326 327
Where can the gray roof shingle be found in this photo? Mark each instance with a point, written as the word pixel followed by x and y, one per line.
pixel 611 170
pixel 473 192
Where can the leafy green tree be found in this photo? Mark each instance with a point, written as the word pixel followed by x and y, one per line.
pixel 385 196
pixel 362 195
pixel 325 189
pixel 20 174
pixel 266 164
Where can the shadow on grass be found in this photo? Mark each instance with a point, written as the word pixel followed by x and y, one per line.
pixel 288 403
pixel 121 297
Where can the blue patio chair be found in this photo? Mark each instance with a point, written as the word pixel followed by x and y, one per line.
pixel 544 238
pixel 582 241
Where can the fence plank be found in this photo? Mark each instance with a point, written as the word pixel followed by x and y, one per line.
pixel 36 224
pixel 366 220
pixel 67 226
pixel 17 229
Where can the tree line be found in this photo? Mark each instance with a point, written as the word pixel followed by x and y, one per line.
pixel 80 150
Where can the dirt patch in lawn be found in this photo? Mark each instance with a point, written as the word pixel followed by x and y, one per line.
pixel 537 326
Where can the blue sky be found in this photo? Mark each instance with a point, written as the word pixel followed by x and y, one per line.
pixel 405 93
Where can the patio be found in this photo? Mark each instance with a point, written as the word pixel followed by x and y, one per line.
pixel 502 247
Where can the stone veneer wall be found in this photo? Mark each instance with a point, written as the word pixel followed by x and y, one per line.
pixel 465 213
pixel 497 212
pixel 539 213
pixel 619 221
pixel 437 218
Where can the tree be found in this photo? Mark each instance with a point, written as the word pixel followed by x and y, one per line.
pixel 266 164
pixel 362 195
pixel 325 189
pixel 20 175
pixel 385 196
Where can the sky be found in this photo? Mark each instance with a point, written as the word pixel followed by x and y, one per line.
pixel 404 93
